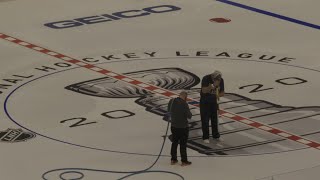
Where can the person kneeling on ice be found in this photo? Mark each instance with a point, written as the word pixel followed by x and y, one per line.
pixel 180 113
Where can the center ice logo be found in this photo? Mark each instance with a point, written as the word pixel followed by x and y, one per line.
pixel 239 138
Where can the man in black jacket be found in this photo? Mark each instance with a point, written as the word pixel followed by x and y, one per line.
pixel 212 87
pixel 180 113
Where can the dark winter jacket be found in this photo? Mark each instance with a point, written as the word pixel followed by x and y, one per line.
pixel 180 113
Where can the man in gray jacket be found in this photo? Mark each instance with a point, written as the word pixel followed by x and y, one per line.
pixel 180 113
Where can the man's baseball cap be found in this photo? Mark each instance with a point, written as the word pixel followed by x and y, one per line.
pixel 216 75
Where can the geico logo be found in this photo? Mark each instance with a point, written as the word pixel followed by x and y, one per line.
pixel 112 17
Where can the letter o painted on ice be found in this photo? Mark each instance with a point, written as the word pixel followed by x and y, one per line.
pixel 161 9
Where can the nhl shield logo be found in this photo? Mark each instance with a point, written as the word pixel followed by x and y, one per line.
pixel 15 135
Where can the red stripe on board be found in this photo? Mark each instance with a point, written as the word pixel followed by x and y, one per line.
pixel 275 131
pixel 45 51
pixel 151 88
pixel 88 66
pixel 168 93
pixel 17 41
pixel 74 61
pixel 59 56
pixel 238 118
pixel 3 36
pixel 30 46
pixel 255 124
pixel 120 77
pixel 104 71
pixel 295 138
pixel 313 144
pixel 135 82
pixel 222 111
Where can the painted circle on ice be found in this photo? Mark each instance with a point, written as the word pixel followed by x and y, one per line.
pixel 220 20
pixel 87 110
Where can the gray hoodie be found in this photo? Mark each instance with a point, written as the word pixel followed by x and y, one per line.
pixel 180 112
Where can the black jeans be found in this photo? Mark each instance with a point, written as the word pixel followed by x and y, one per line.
pixel 209 111
pixel 179 136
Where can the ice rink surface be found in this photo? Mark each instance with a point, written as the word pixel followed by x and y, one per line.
pixel 84 86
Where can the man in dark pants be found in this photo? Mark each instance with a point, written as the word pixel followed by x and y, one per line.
pixel 180 113
pixel 212 87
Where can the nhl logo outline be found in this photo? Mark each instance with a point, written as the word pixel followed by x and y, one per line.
pixel 15 135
